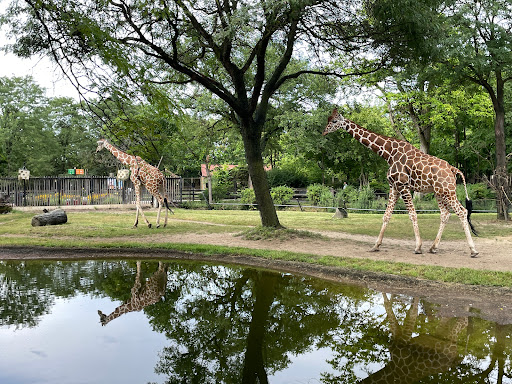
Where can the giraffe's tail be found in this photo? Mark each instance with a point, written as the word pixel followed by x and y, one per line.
pixel 469 203
pixel 469 207
pixel 167 205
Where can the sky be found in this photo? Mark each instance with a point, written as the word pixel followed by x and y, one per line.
pixel 41 69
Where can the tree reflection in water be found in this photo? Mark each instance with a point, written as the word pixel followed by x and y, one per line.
pixel 242 325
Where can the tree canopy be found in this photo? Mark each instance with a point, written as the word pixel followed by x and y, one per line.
pixel 253 81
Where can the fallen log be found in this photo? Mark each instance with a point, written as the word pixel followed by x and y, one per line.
pixel 55 217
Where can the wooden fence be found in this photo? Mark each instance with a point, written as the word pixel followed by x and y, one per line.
pixel 87 190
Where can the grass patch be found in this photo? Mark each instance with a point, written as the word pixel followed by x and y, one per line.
pixel 264 233
pixel 447 275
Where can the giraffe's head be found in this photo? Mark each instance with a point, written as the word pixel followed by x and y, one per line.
pixel 333 122
pixel 101 145
pixel 103 318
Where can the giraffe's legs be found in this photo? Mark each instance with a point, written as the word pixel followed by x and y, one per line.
pixel 138 205
pixel 393 197
pixel 407 196
pixel 160 203
pixel 462 213
pixel 445 215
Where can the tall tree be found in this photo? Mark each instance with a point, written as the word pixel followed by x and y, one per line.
pixel 481 37
pixel 239 51
pixel 470 41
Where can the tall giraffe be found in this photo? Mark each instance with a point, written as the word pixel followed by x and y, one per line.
pixel 142 296
pixel 411 169
pixel 142 173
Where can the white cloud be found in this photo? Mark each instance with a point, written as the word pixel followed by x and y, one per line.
pixel 44 72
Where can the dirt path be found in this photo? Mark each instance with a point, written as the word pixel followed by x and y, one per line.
pixel 495 254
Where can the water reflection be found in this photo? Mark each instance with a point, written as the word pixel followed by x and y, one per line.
pixel 219 324
pixel 142 295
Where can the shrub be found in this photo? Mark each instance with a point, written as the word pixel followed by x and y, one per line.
pixel 279 177
pixel 347 196
pixel 281 194
pixel 219 192
pixel 478 191
pixel 247 196
pixel 318 192
pixel 365 197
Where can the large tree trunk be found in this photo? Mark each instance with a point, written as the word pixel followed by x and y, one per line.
pixel 500 174
pixel 251 138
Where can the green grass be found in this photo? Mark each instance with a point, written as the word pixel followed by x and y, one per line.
pixel 113 229
pixel 264 233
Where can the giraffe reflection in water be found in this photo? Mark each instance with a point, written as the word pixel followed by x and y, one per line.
pixel 142 294
pixel 415 357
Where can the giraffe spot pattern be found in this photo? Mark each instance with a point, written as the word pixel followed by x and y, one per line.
pixel 410 170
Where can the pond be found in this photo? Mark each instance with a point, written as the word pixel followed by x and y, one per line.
pixel 190 322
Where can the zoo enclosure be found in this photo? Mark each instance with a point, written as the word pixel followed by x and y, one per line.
pixel 87 190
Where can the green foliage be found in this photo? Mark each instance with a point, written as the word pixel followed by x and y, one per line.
pixel 480 191
pixel 365 197
pixel 346 196
pixel 281 195
pixel 47 135
pixel 286 176
pixel 247 197
pixel 219 192
pixel 318 194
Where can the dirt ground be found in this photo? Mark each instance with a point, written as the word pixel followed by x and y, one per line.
pixel 495 254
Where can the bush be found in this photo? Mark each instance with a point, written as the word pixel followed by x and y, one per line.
pixel 365 197
pixel 317 193
pixel 478 191
pixel 247 196
pixel 281 194
pixel 347 196
pixel 279 177
pixel 219 192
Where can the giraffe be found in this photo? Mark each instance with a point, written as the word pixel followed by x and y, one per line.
pixel 141 173
pixel 142 296
pixel 413 358
pixel 412 169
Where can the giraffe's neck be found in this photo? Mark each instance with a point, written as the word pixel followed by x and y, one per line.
pixel 123 157
pixel 121 310
pixel 380 144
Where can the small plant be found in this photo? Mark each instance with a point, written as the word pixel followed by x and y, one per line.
pixel 247 196
pixel 365 198
pixel 317 192
pixel 281 195
pixel 288 177
pixel 346 196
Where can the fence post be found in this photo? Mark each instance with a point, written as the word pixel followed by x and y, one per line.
pixel 59 190
pixel 91 188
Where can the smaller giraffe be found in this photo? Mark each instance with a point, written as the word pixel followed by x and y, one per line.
pixel 412 170
pixel 143 173
pixel 142 296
